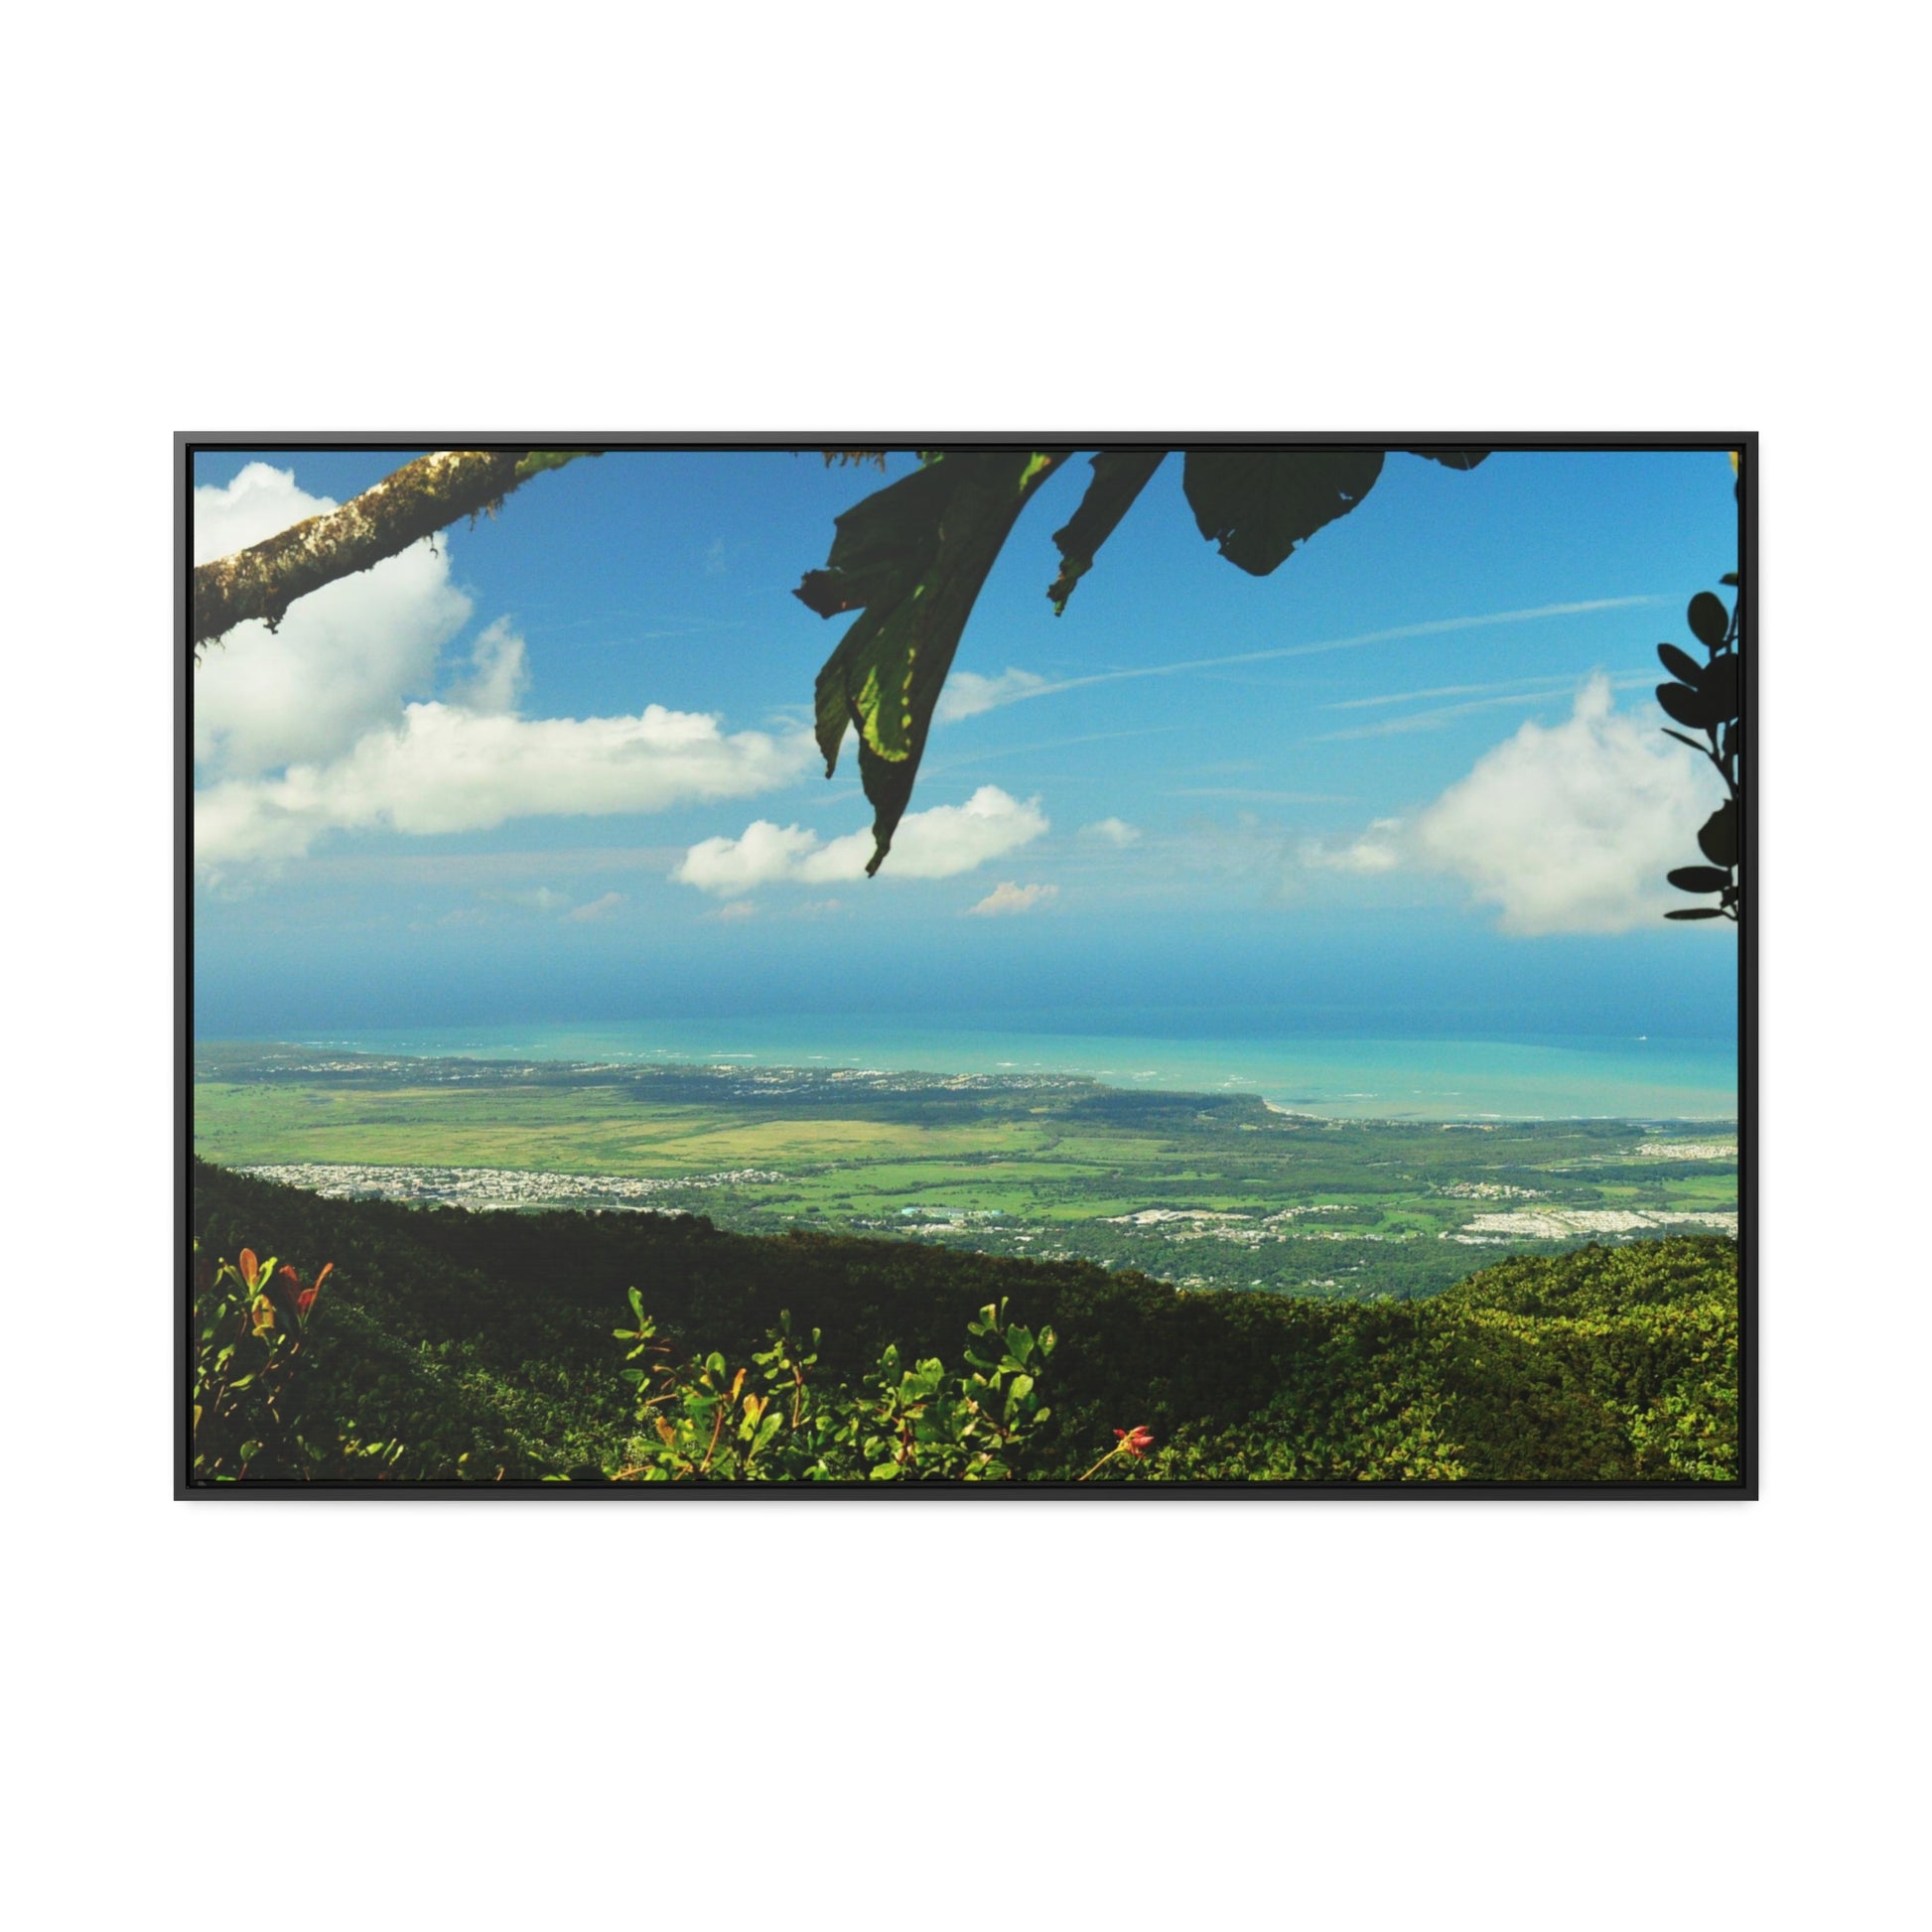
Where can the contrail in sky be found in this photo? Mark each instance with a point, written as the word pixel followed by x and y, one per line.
pixel 1436 627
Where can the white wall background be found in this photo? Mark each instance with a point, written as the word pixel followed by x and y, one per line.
pixel 855 217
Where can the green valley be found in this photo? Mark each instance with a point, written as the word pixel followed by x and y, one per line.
pixel 1202 1192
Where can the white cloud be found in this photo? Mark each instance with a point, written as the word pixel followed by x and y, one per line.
pixel 443 768
pixel 498 676
pixel 344 657
pixel 1005 899
pixel 330 723
pixel 735 910
pixel 597 909
pixel 934 843
pixel 1571 829
pixel 967 693
pixel 1111 831
pixel 1375 850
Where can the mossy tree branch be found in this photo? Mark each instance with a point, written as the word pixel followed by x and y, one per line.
pixel 415 503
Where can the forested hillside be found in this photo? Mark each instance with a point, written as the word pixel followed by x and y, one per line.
pixel 451 1345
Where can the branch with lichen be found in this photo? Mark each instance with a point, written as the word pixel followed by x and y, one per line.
pixel 420 498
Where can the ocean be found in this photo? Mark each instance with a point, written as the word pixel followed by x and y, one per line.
pixel 1635 1078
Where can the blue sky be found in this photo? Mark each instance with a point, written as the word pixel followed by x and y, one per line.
pixel 558 768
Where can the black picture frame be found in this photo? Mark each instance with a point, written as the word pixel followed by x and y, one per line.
pixel 190 445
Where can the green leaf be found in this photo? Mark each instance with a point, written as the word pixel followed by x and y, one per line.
pixel 911 559
pixel 1709 621
pixel 1700 879
pixel 1718 836
pixel 1258 504
pixel 1119 476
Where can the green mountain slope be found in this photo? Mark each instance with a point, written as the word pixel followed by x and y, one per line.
pixel 482 1342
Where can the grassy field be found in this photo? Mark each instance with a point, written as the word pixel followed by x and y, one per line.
pixel 1208 1190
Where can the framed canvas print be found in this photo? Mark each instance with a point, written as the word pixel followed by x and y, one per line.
pixel 1160 965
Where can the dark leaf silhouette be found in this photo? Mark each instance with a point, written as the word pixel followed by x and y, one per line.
pixel 1709 621
pixel 1119 476
pixel 911 558
pixel 1681 664
pixel 1700 879
pixel 1718 836
pixel 1451 459
pixel 1721 686
pixel 1695 913
pixel 1687 706
pixel 1258 504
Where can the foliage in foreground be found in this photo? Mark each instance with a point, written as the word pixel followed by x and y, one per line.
pixel 775 1423
pixel 483 1344
pixel 248 1326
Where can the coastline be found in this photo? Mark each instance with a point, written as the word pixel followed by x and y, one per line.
pixel 1396 1079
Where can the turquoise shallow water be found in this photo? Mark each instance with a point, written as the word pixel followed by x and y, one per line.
pixel 1368 1079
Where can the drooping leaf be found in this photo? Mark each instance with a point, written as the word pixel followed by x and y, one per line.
pixel 880 540
pixel 1119 476
pixel 1717 837
pixel 1451 459
pixel 910 558
pixel 1258 504
pixel 1708 619
pixel 1700 879
pixel 1681 664
pixel 1687 706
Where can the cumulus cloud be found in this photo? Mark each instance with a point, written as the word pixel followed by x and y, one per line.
pixel 1111 831
pixel 444 768
pixel 1572 828
pixel 337 722
pixel 498 675
pixel 1005 899
pixel 342 660
pixel 967 693
pixel 934 843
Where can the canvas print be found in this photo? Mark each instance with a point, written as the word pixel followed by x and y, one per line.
pixel 1162 966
